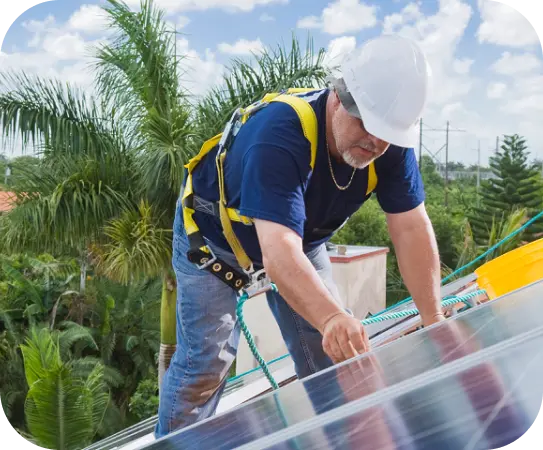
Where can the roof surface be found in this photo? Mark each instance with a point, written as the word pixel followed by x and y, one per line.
pixel 6 201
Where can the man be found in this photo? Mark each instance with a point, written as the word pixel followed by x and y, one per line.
pixel 367 119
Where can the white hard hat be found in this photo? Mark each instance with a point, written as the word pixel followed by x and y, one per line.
pixel 385 84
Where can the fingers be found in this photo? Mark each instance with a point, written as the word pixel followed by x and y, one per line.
pixel 345 339
pixel 360 340
pixel 331 348
pixel 345 345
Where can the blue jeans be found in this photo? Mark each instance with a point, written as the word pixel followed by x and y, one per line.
pixel 208 334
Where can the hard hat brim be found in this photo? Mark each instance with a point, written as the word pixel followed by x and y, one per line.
pixel 374 126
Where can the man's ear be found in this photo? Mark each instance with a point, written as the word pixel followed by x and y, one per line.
pixel 335 100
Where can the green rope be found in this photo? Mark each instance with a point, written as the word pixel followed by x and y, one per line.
pixel 258 369
pixel 470 264
pixel 410 312
pixel 379 317
pixel 251 342
pixel 449 301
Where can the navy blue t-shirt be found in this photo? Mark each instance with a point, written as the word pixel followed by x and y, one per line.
pixel 268 176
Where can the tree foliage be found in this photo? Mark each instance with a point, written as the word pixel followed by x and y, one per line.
pixel 63 411
pixel 80 364
pixel 516 185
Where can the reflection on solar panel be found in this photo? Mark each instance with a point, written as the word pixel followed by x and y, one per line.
pixel 471 382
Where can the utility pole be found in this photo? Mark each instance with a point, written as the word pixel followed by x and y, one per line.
pixel 497 144
pixel 447 167
pixel 420 145
pixel 7 174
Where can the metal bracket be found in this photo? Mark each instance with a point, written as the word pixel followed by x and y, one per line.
pixel 260 283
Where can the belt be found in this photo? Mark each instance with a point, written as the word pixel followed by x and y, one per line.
pixel 209 262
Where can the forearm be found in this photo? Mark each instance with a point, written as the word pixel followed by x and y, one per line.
pixel 419 264
pixel 299 283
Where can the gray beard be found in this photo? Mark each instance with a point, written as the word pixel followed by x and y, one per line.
pixel 353 162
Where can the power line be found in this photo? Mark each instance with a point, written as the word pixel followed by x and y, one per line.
pixel 447 131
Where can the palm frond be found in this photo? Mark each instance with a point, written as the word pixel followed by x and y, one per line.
pixel 502 226
pixel 65 208
pixel 245 83
pixel 138 246
pixel 98 395
pixel 55 117
pixel 140 70
pixel 72 333
pixel 83 367
pixel 24 285
pixel 62 411
pixel 139 64
pixel 107 346
pixel 40 355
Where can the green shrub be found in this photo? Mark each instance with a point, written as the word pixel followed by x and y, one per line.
pixel 144 402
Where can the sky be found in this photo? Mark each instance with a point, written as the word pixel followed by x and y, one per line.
pixel 486 58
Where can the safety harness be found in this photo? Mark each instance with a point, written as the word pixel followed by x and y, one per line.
pixel 199 252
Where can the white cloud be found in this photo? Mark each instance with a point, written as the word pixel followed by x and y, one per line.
pixel 342 16
pixel 337 49
pixel 504 25
pixel 38 28
pixel 462 66
pixel 496 90
pixel 410 12
pixel 61 50
pixel 199 74
pixel 88 19
pixel 512 64
pixel 525 97
pixel 57 50
pixel 439 35
pixel 527 105
pixel 242 47
pixel 266 18
pixel 173 6
pixel 29 62
pixel 182 21
pixel 309 22
pixel 63 46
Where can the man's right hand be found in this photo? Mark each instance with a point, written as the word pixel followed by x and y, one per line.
pixel 303 289
pixel 344 337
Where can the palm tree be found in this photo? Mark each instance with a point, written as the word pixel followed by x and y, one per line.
pixel 107 166
pixel 167 133
pixel 499 230
pixel 112 166
pixel 139 71
pixel 63 411
pixel 85 176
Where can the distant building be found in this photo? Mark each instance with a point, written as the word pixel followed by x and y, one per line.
pixel 6 201
pixel 463 174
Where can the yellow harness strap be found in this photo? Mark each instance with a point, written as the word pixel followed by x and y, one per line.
pixel 308 120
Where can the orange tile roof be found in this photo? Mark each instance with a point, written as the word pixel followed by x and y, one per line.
pixel 6 201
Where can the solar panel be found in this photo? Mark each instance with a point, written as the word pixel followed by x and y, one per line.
pixel 470 382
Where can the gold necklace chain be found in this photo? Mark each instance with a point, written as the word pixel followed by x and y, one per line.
pixel 341 188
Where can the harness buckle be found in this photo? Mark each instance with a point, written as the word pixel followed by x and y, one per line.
pixel 260 282
pixel 210 261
